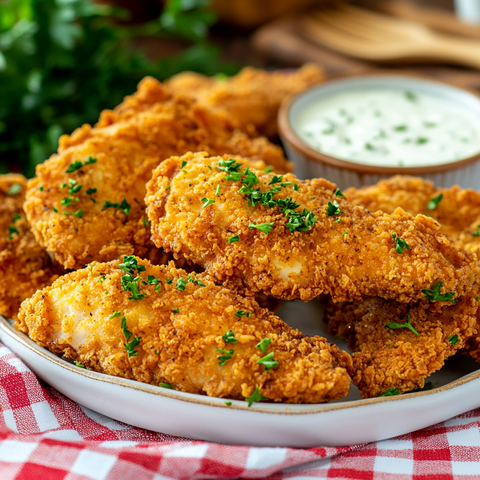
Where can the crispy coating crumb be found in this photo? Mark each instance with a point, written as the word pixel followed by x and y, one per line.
pixel 348 256
pixel 180 332
pixel 386 358
pixel 127 145
pixel 24 265
pixel 252 97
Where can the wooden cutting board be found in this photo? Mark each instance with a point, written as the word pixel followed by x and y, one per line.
pixel 283 42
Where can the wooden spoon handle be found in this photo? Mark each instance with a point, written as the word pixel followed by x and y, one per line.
pixel 454 50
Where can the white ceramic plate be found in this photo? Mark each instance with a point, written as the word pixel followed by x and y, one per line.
pixel 345 422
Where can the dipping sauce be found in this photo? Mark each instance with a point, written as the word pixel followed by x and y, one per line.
pixel 390 127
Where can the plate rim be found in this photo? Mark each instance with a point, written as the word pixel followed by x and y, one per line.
pixel 304 409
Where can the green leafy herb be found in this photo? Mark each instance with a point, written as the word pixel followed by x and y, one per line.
pixel 266 228
pixel 227 355
pixel 16 217
pixel 66 202
pixel 183 164
pixel 91 191
pixel 181 284
pixel 196 282
pixel 410 96
pixel 124 206
pixel 433 203
pixel 130 281
pixel 453 339
pixel 169 281
pixel 338 220
pixel 78 213
pixel 14 189
pixel 207 202
pixel 276 179
pixel 233 239
pixel 241 313
pixel 400 244
pixel 268 362
pixel 217 190
pixel 228 404
pixel 54 209
pixel 229 337
pixel 114 314
pixel 295 187
pixel 333 209
pixel 176 310
pixel 395 325
pixel 263 344
pixel 391 392
pixel 369 146
pixel 476 233
pixel 256 396
pixel 434 294
pixel 80 365
pixel 401 128
pixel 152 280
pixel 338 193
pixel 269 170
pixel 12 230
pixel 130 346
pixel 229 166
pixel 421 140
pixel 165 385
pixel 77 165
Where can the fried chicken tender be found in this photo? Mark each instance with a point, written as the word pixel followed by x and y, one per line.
pixel 343 251
pixel 87 202
pixel 181 330
pixel 252 97
pixel 25 266
pixel 385 358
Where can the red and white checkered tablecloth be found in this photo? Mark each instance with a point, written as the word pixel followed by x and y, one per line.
pixel 46 436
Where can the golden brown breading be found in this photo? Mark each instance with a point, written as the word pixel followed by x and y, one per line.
pixel 252 97
pixel 125 153
pixel 181 324
pixel 303 264
pixel 387 358
pixel 24 264
pixel 458 212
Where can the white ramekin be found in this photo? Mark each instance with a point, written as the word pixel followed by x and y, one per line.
pixel 310 163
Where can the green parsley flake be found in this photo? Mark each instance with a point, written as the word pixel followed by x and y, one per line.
pixel 41 189
pixel 269 170
pixel 295 187
pixel 79 365
pixel 433 203
pixel 268 362
pixel 176 310
pixel 152 280
pixel 338 193
pixel 228 404
pixel 14 189
pixel 183 164
pixel 130 346
pixel 129 281
pixel 229 337
pixel 145 223
pixel 227 355
pixel 91 191
pixel 207 202
pixel 229 166
pixel 12 230
pixel 410 96
pixel 266 228
pixel 54 209
pixel 196 282
pixel 78 214
pixel 391 392
pixel 395 325
pixel 476 233
pixel 169 281
pixel 434 294
pixel 400 244
pixel 77 165
pixel 114 315
pixel 263 344
pixel 66 202
pixel 333 209
pixel 338 220
pixel 233 239
pixel 276 179
pixel 124 206
pixel 16 217
pixel 401 128
pixel 165 385
pixel 181 284
pixel 217 190
pixel 453 339
pixel 241 313
pixel 256 396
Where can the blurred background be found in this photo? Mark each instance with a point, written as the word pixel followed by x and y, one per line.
pixel 63 61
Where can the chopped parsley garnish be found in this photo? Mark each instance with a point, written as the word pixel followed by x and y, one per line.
pixel 344 233
pixel 217 190
pixel 421 140
pixel 300 221
pixel 338 193
pixel 295 187
pixel 176 310
pixel 229 337
pixel 207 202
pixel 181 284
pixel 114 314
pixel 276 179
pixel 434 294
pixel 41 189
pixel 391 392
pixel 169 281
pixel 229 166
pixel 73 187
pixel 145 223
pixel 77 165
pixel 129 280
pixel 401 128
pixel 433 203
pixel 266 228
pixel 476 233
pixel 124 206
pixel 263 344
pixel 54 209
pixel 16 217
pixel 395 325
pixel 165 385
pixel 256 396
pixel 233 239
pixel 410 96
pixel 67 201
pixel 183 164
pixel 152 280
pixel 228 404
pixel 268 362
pixel 227 355
pixel 12 230
pixel 196 282
pixel 80 365
pixel 269 170
pixel 78 213
pixel 338 220
pixel 250 179
pixel 333 209
pixel 130 346
pixel 14 189
pixel 241 313
pixel 453 339
pixel 400 243
pixel 369 146
pixel 91 191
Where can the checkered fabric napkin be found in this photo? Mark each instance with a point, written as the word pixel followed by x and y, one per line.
pixel 46 436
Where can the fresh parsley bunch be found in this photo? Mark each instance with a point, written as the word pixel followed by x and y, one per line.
pixel 63 61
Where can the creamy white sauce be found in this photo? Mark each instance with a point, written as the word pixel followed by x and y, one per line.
pixel 390 127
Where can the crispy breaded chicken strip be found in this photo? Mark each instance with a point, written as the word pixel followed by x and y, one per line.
pixel 25 266
pixel 295 243
pixel 252 97
pixel 181 330
pixel 458 212
pixel 87 202
pixel 397 358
